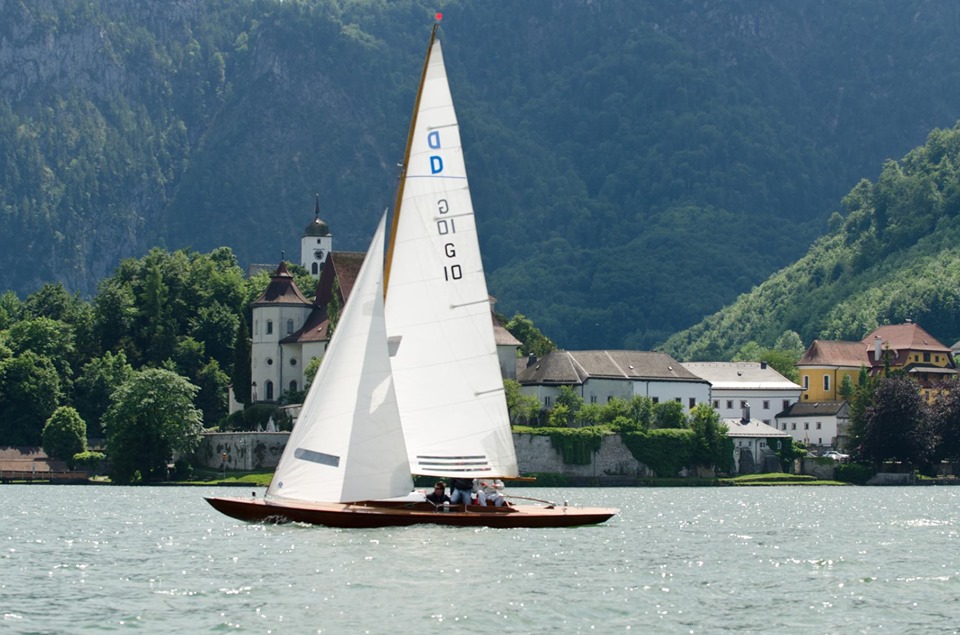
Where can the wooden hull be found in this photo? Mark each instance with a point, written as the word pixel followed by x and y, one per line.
pixel 378 514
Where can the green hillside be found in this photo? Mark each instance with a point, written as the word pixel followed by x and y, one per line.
pixel 893 256
pixel 635 165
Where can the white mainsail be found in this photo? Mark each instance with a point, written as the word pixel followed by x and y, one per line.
pixel 348 444
pixel 447 375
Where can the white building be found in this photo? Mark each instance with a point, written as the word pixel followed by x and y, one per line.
pixel 754 444
pixel 820 425
pixel 599 376
pixel 736 385
pixel 280 311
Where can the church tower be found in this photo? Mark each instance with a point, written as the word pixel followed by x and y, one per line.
pixel 316 243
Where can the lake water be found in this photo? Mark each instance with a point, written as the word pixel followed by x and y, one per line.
pixel 86 559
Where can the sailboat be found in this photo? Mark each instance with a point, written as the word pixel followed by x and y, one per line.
pixel 410 383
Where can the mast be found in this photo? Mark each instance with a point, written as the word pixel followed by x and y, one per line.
pixel 406 159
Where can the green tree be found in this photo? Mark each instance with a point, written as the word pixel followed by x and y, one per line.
pixel 310 371
pixel 571 401
pixel 98 379
pixel 10 309
pixel 533 342
pixel 523 409
pixel 215 326
pixel 160 332
pixel 861 399
pixel 669 414
pixel 212 396
pixel 29 393
pixel 48 338
pixel 64 435
pixel 54 302
pixel 559 416
pixel 241 377
pixel 711 446
pixel 151 418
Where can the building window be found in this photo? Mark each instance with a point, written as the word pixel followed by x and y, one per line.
pixel 819 425
pixel 593 399
pixel 766 405
pixel 546 401
pixel 806 426
pixel 609 398
pixel 269 361
pixel 656 400
pixel 293 361
pixel 826 382
pixel 926 357
pixel 786 404
pixel 293 386
pixel 743 403
pixel 806 382
pixel 729 404
pixel 269 390
pixel 314 269
pixel 289 327
pixel 269 328
pixel 256 327
pixel 677 399
pixel 793 426
pixel 784 427
pixel 693 402
pixel 716 404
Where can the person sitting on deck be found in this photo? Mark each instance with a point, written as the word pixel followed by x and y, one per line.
pixel 461 491
pixel 439 495
pixel 488 490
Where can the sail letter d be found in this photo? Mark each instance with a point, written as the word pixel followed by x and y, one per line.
pixel 436 164
pixel 433 139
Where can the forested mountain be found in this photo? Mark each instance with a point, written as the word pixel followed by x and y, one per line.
pixel 635 165
pixel 893 256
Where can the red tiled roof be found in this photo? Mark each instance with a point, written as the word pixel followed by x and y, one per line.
pixel 835 353
pixel 901 337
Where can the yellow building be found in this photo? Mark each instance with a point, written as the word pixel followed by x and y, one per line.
pixel 905 347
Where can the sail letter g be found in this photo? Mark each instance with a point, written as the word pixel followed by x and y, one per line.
pixel 433 139
pixel 436 164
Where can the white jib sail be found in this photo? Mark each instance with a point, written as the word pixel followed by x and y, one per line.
pixel 348 444
pixel 446 370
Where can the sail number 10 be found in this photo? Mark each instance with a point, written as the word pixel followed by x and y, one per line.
pixel 448 227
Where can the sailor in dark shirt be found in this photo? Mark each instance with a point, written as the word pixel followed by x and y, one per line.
pixel 439 495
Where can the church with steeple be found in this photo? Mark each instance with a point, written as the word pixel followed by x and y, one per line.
pixel 289 330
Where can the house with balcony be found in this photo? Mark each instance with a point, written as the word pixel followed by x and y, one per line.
pixel 827 365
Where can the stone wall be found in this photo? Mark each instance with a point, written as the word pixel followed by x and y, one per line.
pixel 536 455
pixel 244 450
